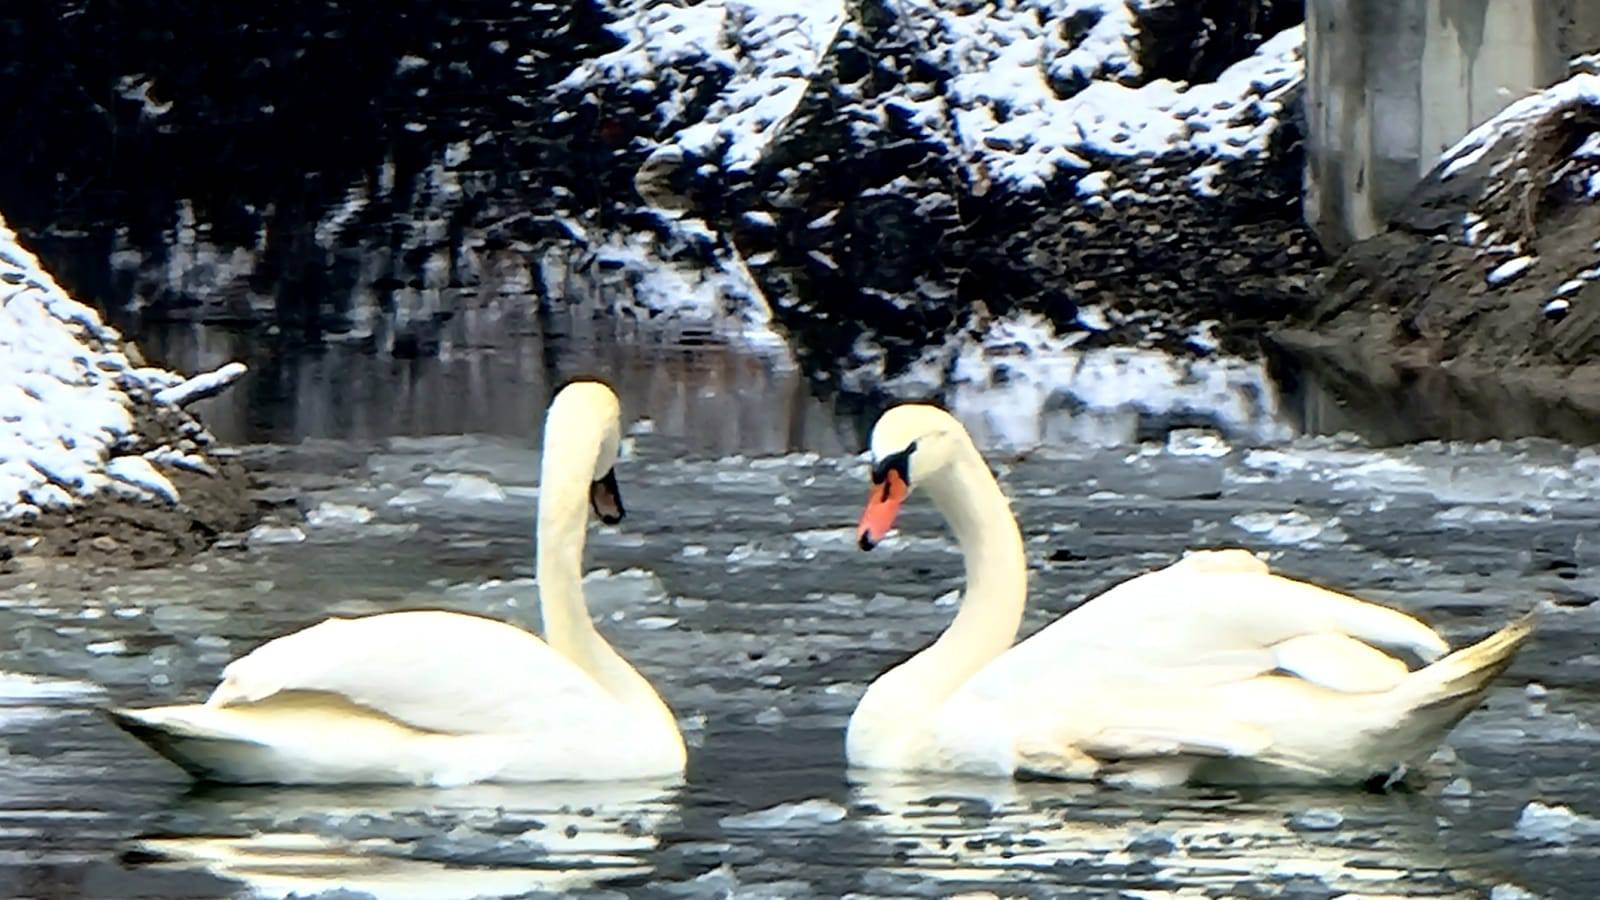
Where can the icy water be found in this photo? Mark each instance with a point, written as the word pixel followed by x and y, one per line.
pixel 735 586
pixel 494 370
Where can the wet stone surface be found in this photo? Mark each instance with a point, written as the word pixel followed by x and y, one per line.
pixel 735 586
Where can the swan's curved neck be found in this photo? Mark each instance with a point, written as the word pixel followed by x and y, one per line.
pixel 986 624
pixel 890 725
pixel 564 479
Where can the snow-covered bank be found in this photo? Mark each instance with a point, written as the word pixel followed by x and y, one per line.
pixel 1485 290
pixel 88 433
pixel 885 170
pixel 806 178
pixel 1017 384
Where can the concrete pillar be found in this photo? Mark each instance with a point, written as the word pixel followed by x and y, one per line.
pixel 1391 84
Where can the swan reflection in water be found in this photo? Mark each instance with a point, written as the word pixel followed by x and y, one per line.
pixel 479 840
pixel 974 832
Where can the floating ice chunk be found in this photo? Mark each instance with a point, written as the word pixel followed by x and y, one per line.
pixel 1317 819
pixel 1554 824
pixel 467 488
pixel 1457 789
pixel 327 514
pixel 18 689
pixel 1472 228
pixel 1152 842
pixel 137 472
pixel 1505 890
pixel 1510 270
pixel 656 623
pixel 275 534
pixel 606 589
pixel 411 497
pixel 803 814
pixel 1556 309
pixel 107 648
pixel 1477 515
pixel 1292 527
pixel 1205 336
pixel 830 538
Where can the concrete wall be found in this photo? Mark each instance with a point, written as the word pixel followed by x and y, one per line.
pixel 1390 84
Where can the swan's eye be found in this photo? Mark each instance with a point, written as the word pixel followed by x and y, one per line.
pixel 894 462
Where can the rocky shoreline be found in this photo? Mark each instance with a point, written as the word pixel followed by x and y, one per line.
pixel 849 181
pixel 1476 312
pixel 98 458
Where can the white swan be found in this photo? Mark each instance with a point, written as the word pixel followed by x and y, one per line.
pixel 443 698
pixel 1212 669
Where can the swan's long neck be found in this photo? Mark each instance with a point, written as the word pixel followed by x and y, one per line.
pixel 986 624
pixel 565 475
pixel 891 724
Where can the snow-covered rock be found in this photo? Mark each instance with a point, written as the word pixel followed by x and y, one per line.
pixel 80 421
pixel 788 174
pixel 885 169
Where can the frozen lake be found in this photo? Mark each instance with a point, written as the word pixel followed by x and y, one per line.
pixel 735 586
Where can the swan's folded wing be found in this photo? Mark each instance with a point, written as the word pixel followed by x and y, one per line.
pixel 1211 618
pixel 1171 647
pixel 1339 663
pixel 1083 748
pixel 434 671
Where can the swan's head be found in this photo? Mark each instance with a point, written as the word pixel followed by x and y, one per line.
pixel 911 444
pixel 585 415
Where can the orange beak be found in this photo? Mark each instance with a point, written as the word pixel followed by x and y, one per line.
pixel 883 504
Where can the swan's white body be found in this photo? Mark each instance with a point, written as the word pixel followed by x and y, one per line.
pixel 1212 669
pixel 442 698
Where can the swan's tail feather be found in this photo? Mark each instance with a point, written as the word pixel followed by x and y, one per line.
pixel 183 739
pixel 309 739
pixel 1466 673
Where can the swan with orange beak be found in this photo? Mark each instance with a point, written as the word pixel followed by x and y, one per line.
pixel 1212 669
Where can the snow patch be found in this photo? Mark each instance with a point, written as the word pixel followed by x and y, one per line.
pixel 1510 270
pixel 1011 122
pixel 67 397
pixel 1583 88
pixel 770 49
pixel 1018 384
pixel 202 386
pixel 137 473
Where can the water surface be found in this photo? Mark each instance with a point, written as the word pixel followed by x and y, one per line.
pixel 735 586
